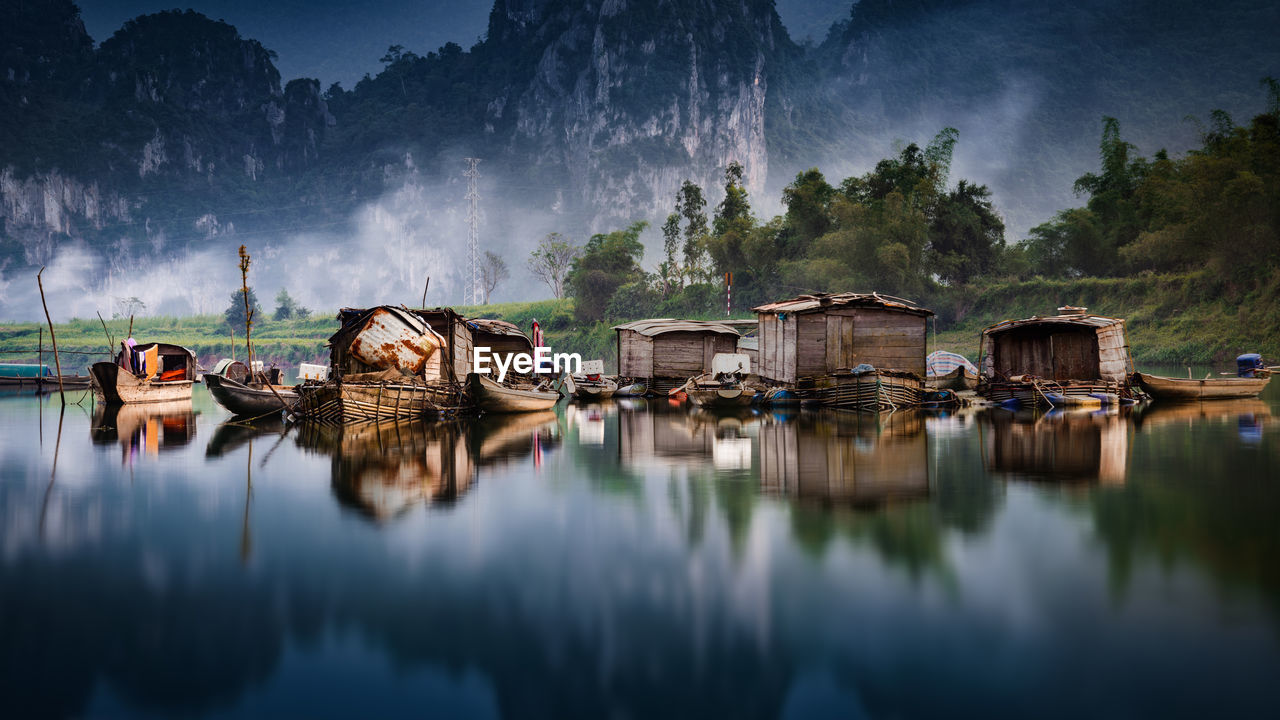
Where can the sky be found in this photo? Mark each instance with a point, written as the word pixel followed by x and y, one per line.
pixel 341 40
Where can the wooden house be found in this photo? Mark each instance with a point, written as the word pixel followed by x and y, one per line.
pixel 501 337
pixel 665 353
pixel 1072 353
pixel 817 336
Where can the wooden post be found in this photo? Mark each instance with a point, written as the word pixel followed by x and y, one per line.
pixel 52 338
pixel 111 342
pixel 233 342
pixel 40 351
pixel 424 292
pixel 248 311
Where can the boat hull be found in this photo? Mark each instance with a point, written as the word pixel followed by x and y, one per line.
pixel 495 398
pixel 1166 388
pixel 240 399
pixel 353 402
pixel 873 391
pixel 594 391
pixel 958 379
pixel 720 397
pixel 113 387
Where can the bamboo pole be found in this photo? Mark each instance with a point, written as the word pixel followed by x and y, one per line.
pixel 52 338
pixel 424 292
pixel 248 311
pixel 111 342
pixel 40 350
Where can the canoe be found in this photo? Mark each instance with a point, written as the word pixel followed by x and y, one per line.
pixel 1167 388
pixel 601 389
pixel 959 379
pixel 495 398
pixel 724 397
pixel 249 400
pixel 114 387
pixel 636 389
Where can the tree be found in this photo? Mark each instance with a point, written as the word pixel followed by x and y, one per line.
pixel 692 208
pixel 234 314
pixel 551 260
pixel 493 270
pixel 669 269
pixel 607 263
pixel 130 306
pixel 966 235
pixel 287 308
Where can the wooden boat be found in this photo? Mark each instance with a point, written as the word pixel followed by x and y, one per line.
pixel 1226 388
pixel 959 379
pixel 40 377
pixel 874 391
pixel 170 379
pixel 249 400
pixel 494 397
pixel 635 389
pixel 587 389
pixel 344 402
pixel 732 396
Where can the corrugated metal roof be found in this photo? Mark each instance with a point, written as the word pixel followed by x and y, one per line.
pixel 1097 321
pixel 659 326
pixel 823 301
pixel 495 327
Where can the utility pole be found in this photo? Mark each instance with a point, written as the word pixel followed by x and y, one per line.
pixel 472 293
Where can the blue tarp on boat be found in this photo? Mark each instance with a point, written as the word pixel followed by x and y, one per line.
pixel 17 370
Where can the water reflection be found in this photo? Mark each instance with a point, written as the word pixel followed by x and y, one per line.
pixel 746 565
pixel 144 429
pixel 382 469
pixel 858 459
pixel 1068 446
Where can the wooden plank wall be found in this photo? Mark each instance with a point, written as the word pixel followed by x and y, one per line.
pixel 1060 353
pixel 684 354
pixel 811 343
pixel 1113 354
pixel 885 339
pixel 635 354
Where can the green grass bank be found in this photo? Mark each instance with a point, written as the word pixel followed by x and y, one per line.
pixel 1172 319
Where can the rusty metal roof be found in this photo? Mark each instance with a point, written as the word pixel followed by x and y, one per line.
pixel 660 326
pixel 1096 321
pixel 495 327
pixel 822 301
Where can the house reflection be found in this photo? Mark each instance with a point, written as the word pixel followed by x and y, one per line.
pixel 1067 446
pixel 143 429
pixel 719 440
pixel 383 469
pixel 843 458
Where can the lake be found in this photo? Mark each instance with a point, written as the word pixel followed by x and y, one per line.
pixel 638 560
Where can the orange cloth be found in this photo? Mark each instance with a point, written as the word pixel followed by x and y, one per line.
pixel 150 361
pixel 171 375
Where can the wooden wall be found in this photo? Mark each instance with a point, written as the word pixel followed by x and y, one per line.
pixel 820 343
pixel 1056 352
pixel 687 354
pixel 1113 354
pixel 635 354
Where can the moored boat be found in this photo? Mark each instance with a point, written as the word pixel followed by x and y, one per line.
pixel 734 396
pixel 249 400
pixel 950 371
pixel 1225 388
pixel 601 388
pixel 155 372
pixel 495 397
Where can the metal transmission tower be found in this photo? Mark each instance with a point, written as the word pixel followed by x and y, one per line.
pixel 473 294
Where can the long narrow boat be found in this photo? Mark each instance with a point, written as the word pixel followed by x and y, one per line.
pixel 493 397
pixel 171 379
pixel 599 389
pixel 719 397
pixel 1227 388
pixel 249 400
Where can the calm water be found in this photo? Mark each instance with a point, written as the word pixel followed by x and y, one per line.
pixel 631 560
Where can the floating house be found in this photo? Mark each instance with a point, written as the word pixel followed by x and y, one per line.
pixel 1072 358
pixel 501 337
pixel 387 363
pixel 856 350
pixel 665 353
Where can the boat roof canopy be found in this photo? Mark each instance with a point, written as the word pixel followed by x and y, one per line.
pixel 818 302
pixel 1094 321
pixel 661 326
